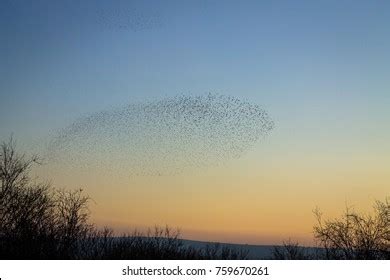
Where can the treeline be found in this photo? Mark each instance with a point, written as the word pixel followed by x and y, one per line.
pixel 38 221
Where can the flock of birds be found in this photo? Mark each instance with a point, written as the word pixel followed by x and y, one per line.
pixel 128 19
pixel 163 137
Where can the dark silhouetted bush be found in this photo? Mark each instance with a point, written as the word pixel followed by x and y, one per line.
pixel 290 250
pixel 355 235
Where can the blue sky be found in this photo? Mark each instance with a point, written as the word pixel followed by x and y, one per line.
pixel 60 60
pixel 320 68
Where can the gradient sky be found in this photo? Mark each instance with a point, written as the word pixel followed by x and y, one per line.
pixel 320 68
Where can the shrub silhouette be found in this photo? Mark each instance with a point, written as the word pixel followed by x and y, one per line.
pixel 355 235
pixel 290 250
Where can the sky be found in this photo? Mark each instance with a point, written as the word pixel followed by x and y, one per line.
pixel 319 68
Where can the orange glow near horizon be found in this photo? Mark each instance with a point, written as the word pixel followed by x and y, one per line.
pixel 247 201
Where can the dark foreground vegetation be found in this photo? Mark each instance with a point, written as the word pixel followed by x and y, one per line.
pixel 38 221
pixel 353 236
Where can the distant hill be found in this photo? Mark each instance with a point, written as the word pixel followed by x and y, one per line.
pixel 255 252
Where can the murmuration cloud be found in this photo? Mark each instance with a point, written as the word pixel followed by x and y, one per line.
pixel 164 137
pixel 129 19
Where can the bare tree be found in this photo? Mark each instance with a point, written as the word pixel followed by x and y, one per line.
pixel 14 170
pixel 355 235
pixel 36 221
pixel 71 219
pixel 26 208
